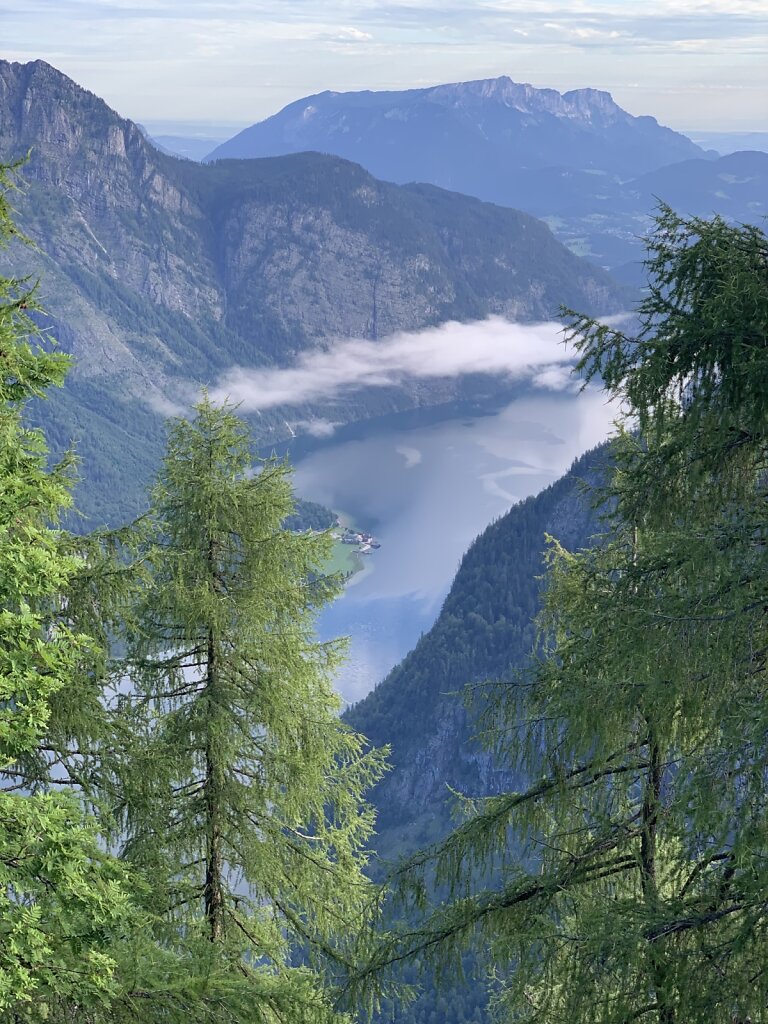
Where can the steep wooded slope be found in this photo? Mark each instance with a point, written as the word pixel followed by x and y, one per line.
pixel 485 630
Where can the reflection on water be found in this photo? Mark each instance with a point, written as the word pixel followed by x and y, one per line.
pixel 426 493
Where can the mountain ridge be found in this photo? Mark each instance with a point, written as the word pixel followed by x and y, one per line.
pixel 516 123
pixel 577 160
pixel 158 271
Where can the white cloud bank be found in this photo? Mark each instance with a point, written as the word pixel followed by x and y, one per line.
pixel 495 347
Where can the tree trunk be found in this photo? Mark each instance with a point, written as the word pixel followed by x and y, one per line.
pixel 214 861
pixel 649 881
pixel 214 857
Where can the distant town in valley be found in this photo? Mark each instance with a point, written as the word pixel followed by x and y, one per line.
pixel 365 542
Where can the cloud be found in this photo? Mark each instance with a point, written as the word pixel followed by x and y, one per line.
pixel 354 35
pixel 318 427
pixel 494 346
pixel 556 378
pixel 168 407
pixel 656 19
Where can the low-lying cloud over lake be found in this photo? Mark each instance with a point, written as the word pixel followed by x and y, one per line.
pixel 494 346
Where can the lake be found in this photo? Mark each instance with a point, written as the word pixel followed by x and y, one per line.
pixel 426 490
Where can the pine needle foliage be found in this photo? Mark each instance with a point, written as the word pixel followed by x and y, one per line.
pixel 632 874
pixel 243 801
pixel 89 938
pixel 62 899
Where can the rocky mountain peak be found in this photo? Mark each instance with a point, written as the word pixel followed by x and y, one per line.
pixel 588 102
pixel 582 104
pixel 44 110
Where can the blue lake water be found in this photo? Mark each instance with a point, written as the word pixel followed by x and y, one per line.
pixel 426 491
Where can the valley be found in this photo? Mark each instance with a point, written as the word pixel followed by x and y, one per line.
pixel 347 632
pixel 426 490
pixel 161 275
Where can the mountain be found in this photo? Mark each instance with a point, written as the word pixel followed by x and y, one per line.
pixel 605 219
pixel 485 631
pixel 736 186
pixel 592 171
pixel 467 136
pixel 159 272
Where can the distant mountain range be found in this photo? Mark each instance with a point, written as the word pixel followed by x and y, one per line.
pixel 730 142
pixel 188 146
pixel 605 219
pixel 467 136
pixel 157 270
pixel 577 160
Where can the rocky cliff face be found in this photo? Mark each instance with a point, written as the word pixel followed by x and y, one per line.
pixel 127 217
pixel 590 106
pixel 158 271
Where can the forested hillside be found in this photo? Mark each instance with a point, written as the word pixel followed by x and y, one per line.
pixel 183 820
pixel 485 630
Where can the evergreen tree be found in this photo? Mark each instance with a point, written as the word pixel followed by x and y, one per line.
pixel 76 938
pixel 634 870
pixel 244 791
pixel 62 899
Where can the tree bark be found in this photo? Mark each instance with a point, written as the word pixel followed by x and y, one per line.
pixel 648 874
pixel 214 856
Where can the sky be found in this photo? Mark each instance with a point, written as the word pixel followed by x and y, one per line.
pixel 693 64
